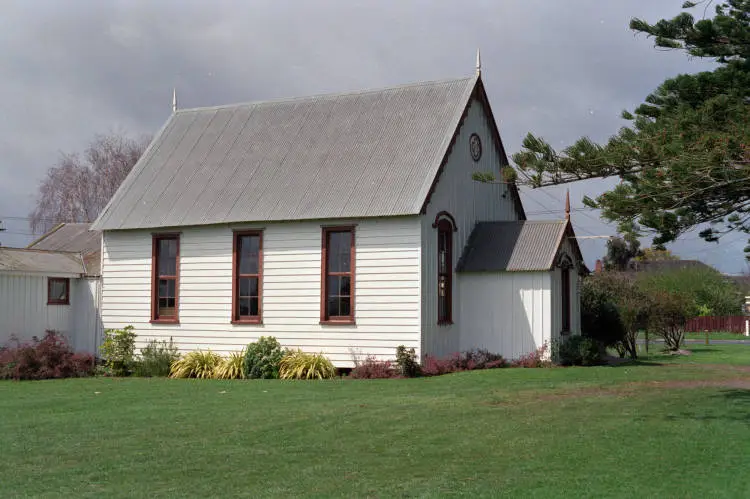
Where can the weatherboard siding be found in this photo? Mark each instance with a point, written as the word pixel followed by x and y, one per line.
pixel 468 202
pixel 505 312
pixel 387 293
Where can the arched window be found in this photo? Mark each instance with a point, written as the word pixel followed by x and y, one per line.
pixel 445 229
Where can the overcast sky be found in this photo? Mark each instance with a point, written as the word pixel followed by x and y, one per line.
pixel 561 69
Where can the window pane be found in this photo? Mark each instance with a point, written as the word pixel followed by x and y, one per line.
pixel 345 305
pixel 339 251
pixel 333 285
pixel 333 306
pixel 344 285
pixel 167 257
pixel 58 290
pixel 244 306
pixel 249 254
pixel 254 306
pixel 244 286
pixel 167 288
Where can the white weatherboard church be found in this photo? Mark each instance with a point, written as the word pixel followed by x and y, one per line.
pixel 345 224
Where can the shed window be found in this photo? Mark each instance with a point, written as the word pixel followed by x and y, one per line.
pixel 165 285
pixel 337 297
pixel 248 271
pixel 445 271
pixel 58 291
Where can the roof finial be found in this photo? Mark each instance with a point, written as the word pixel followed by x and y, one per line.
pixel 174 100
pixel 567 205
pixel 479 63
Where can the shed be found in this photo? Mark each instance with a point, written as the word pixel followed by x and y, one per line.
pixel 519 282
pixel 53 284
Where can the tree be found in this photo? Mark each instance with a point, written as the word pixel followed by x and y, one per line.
pixel 707 289
pixel 620 252
pixel 655 254
pixel 78 187
pixel 685 158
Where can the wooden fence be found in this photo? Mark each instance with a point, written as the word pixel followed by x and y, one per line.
pixel 734 324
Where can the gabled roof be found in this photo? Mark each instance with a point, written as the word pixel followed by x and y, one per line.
pixel 48 262
pixel 364 154
pixel 74 237
pixel 515 246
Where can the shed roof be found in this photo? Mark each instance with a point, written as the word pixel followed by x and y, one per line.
pixel 364 154
pixel 31 260
pixel 75 237
pixel 513 246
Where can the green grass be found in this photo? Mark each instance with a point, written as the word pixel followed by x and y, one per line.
pixel 717 353
pixel 643 430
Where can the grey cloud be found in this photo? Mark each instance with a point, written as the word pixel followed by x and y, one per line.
pixel 559 69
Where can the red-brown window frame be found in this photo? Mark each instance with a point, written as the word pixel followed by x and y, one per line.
pixel 50 300
pixel 236 317
pixel 337 319
pixel 445 225
pixel 155 319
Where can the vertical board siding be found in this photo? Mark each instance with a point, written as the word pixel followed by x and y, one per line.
pixel 468 202
pixel 505 312
pixel 387 284
pixel 24 311
pixel 87 324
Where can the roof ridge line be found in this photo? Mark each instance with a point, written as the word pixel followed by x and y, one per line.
pixel 322 95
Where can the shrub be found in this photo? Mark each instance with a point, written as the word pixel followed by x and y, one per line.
pixel 231 367
pixel 537 358
pixel 614 310
pixel 263 358
pixel 406 360
pixel 579 351
pixel 118 350
pixel 374 369
pixel 300 365
pixel 48 358
pixel 198 364
pixel 669 316
pixel 156 359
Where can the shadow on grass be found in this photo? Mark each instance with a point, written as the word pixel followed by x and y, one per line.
pixel 735 409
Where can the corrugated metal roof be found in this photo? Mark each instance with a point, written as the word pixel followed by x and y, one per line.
pixel 75 237
pixel 28 260
pixel 512 246
pixel 364 154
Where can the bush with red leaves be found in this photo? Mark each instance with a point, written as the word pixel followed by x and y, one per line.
pixel 374 369
pixel 470 360
pixel 537 358
pixel 48 358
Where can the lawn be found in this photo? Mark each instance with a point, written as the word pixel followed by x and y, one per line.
pixel 662 428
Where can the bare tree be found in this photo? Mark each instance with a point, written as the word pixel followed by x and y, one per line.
pixel 78 187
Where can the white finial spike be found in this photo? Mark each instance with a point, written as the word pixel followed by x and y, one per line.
pixel 479 63
pixel 174 100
